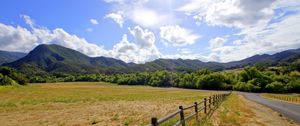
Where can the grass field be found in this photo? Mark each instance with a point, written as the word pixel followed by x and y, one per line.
pixel 291 98
pixel 88 103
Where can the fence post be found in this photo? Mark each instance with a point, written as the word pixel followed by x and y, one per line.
pixel 154 121
pixel 209 102
pixel 196 110
pixel 205 105
pixel 213 98
pixel 182 116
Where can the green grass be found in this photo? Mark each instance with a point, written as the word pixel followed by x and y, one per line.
pixel 291 98
pixel 85 103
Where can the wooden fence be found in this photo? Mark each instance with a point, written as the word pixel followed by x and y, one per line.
pixel 288 98
pixel 205 105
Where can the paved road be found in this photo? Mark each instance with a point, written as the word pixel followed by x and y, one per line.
pixel 291 111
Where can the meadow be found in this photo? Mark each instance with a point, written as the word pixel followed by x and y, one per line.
pixel 90 103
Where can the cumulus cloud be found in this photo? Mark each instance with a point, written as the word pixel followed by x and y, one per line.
pixel 94 21
pixel 177 35
pixel 216 42
pixel 230 13
pixel 23 40
pixel 16 38
pixel 20 39
pixel 274 38
pixel 142 49
pixel 117 17
pixel 261 30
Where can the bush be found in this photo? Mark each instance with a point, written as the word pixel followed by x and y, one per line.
pixel 13 74
pixel 242 86
pixel 293 86
pixel 212 81
pixel 5 80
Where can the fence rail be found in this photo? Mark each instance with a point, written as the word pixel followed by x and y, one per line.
pixel 204 105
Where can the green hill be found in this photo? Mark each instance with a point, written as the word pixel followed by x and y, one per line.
pixel 58 59
pixel 55 58
pixel 6 57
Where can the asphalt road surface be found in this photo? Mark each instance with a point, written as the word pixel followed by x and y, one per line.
pixel 291 111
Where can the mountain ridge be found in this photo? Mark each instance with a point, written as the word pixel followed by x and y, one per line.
pixel 55 58
pixel 6 56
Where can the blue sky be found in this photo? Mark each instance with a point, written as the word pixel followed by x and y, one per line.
pixel 144 30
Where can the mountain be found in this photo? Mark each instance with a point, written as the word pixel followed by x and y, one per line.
pixel 6 57
pixel 180 64
pixel 287 56
pixel 54 58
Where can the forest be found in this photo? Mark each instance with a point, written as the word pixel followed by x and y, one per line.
pixel 280 79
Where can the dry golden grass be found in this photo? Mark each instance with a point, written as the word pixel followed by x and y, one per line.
pixel 233 112
pixel 237 111
pixel 88 103
pixel 291 98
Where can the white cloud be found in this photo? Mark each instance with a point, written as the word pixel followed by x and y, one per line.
pixel 274 38
pixel 177 35
pixel 94 21
pixel 149 18
pixel 214 57
pixel 230 13
pixel 142 12
pixel 115 1
pixel 61 37
pixel 141 50
pixel 20 39
pixel 184 51
pixel 216 42
pixel 27 20
pixel 23 40
pixel 117 17
pixel 89 29
pixel 194 56
pixel 16 38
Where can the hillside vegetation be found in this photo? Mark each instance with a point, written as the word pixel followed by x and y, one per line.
pixel 277 73
pixel 45 59
pixel 7 57
pixel 252 79
pixel 9 76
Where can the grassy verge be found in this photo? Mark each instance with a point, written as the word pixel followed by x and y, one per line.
pixel 232 112
pixel 291 98
pixel 88 103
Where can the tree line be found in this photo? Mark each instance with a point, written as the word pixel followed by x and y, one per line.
pixel 281 79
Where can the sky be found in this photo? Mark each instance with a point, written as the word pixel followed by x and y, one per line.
pixel 140 31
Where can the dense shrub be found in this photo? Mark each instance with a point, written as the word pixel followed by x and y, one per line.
pixel 14 75
pixel 5 80
pixel 276 87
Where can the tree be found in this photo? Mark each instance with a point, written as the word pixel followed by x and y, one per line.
pixel 211 81
pixel 276 87
pixel 14 75
pixel 5 80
